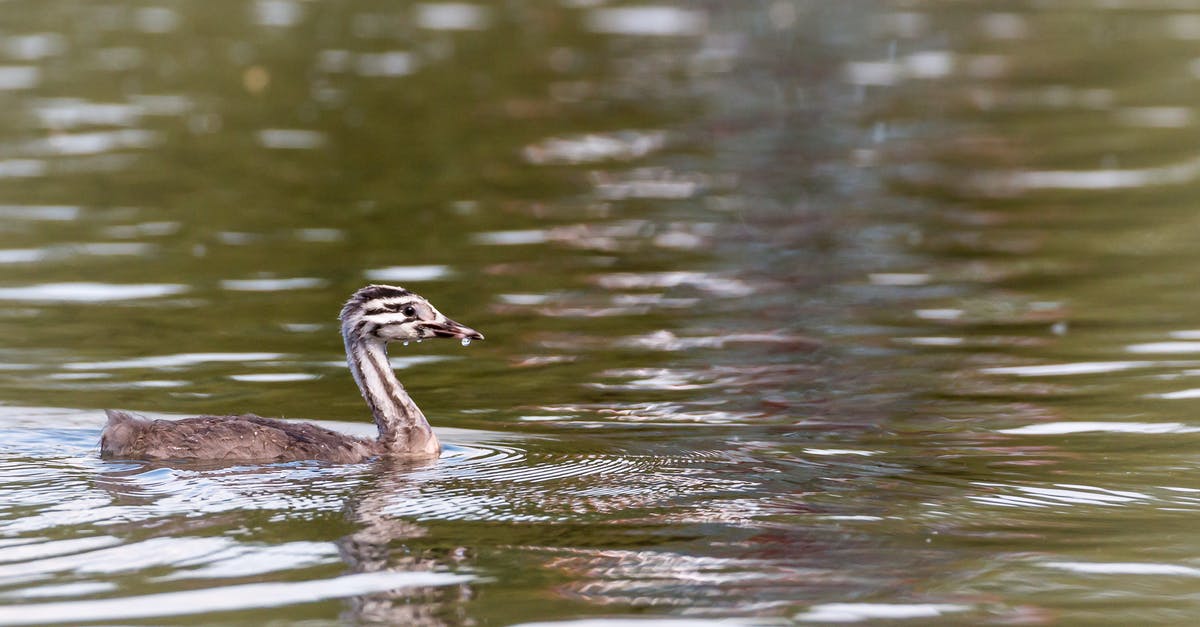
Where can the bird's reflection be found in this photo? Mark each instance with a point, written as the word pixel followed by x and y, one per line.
pixel 383 543
pixel 187 500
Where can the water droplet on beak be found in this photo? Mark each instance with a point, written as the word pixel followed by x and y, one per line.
pixel 406 342
pixel 466 341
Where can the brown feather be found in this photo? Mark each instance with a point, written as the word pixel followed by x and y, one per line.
pixel 244 438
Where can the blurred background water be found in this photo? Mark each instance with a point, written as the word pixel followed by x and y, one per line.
pixel 797 311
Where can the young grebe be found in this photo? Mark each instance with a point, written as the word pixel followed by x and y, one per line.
pixel 374 316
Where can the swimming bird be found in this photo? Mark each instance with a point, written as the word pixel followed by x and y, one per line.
pixel 374 316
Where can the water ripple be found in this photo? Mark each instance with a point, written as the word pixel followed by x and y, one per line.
pixel 1027 496
pixel 222 598
pixel 1056 370
pixel 272 285
pixel 393 63
pixel 665 340
pixel 659 577
pixel 413 274
pixel 857 612
pixel 49 213
pixel 34 46
pixel 67 251
pixel 1125 568
pixel 452 16
pixel 290 139
pixel 274 377
pixel 178 360
pixel 648 21
pixel 40 549
pixel 507 484
pixel 715 284
pixel 594 147
pixel 657 183
pixel 17 77
pixel 65 113
pixel 93 143
pixel 89 292
pixel 1064 428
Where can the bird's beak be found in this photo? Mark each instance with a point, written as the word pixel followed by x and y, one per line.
pixel 450 328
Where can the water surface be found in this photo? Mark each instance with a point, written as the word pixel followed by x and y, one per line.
pixel 796 311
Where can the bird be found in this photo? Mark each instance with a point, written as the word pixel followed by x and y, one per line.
pixel 373 317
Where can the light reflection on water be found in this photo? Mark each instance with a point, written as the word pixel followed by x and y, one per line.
pixel 88 292
pixel 222 599
pixel 476 481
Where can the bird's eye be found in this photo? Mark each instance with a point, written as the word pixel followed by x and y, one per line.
pixel 410 311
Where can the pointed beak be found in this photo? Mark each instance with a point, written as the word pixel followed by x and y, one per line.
pixel 450 328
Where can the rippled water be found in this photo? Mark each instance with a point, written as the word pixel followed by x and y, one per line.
pixel 796 311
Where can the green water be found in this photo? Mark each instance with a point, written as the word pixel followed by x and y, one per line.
pixel 795 311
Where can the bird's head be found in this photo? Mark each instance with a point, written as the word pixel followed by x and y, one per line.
pixel 385 313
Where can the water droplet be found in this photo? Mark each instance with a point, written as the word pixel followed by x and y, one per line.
pixel 420 340
pixel 406 342
pixel 466 341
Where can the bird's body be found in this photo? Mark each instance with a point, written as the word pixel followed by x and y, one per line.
pixel 374 316
pixel 245 437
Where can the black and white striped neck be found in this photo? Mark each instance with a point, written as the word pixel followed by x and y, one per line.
pixel 403 429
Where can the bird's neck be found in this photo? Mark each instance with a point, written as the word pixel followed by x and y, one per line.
pixel 403 429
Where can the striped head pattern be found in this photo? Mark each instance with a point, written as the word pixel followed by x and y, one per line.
pixel 386 313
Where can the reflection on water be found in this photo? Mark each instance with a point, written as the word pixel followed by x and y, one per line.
pixel 221 599
pixel 796 311
pixel 88 292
